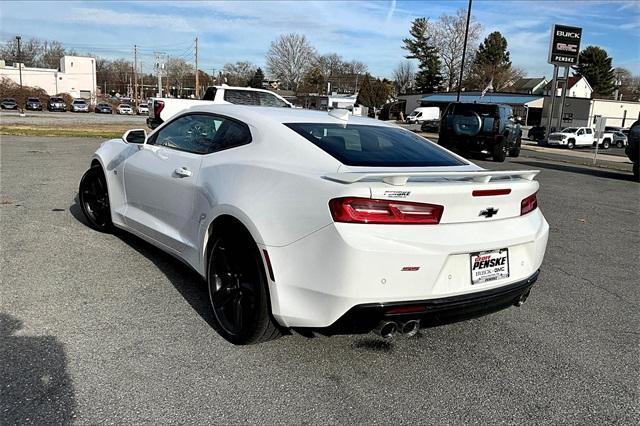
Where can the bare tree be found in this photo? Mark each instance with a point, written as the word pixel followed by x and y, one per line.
pixel 289 58
pixel 30 52
pixel 404 75
pixel 178 71
pixel 239 74
pixel 449 37
pixel 51 53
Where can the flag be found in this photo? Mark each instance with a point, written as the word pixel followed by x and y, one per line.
pixel 486 89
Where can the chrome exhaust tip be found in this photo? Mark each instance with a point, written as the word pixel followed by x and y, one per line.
pixel 410 328
pixel 520 300
pixel 386 329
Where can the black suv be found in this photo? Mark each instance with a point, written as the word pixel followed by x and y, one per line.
pixel 33 104
pixel 633 149
pixel 482 128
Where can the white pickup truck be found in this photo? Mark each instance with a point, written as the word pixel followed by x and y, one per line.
pixel 572 137
pixel 161 109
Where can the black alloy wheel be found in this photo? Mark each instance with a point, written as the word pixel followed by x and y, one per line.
pixel 238 290
pixel 94 199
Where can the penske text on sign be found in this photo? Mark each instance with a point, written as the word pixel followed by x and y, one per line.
pixel 565 45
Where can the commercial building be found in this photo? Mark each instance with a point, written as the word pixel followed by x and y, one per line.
pixel 76 76
pixel 581 112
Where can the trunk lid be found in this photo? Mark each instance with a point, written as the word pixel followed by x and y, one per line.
pixel 476 196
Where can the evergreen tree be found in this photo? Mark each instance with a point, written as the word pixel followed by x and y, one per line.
pixel 256 80
pixel 492 63
pixel 366 94
pixel 595 65
pixel 421 47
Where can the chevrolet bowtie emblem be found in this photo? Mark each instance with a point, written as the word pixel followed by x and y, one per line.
pixel 488 212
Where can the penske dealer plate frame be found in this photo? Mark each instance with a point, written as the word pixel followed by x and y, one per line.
pixel 496 272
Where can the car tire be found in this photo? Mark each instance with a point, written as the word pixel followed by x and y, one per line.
pixel 620 144
pixel 499 152
pixel 571 144
pixel 636 172
pixel 515 151
pixel 606 144
pixel 93 196
pixel 237 285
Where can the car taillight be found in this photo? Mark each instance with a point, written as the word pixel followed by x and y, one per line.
pixel 366 210
pixel 158 106
pixel 529 204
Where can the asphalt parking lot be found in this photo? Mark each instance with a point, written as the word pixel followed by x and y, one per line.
pixel 101 328
pixel 47 118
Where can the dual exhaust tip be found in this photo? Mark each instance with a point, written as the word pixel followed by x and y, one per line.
pixel 388 329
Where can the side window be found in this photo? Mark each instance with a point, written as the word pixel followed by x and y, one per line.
pixel 202 134
pixel 240 97
pixel 580 132
pixel 589 131
pixel 268 99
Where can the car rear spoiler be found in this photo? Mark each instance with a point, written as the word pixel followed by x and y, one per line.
pixel 401 178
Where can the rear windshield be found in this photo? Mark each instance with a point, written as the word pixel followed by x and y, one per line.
pixel 481 109
pixel 364 145
pixel 78 102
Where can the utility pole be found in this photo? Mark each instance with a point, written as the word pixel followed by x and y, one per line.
pixel 197 94
pixel 464 51
pixel 135 75
pixel 19 60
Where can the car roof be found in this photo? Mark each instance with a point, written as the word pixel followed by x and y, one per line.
pixel 257 114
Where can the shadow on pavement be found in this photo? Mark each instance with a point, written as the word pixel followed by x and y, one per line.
pixel 187 281
pixel 578 169
pixel 34 385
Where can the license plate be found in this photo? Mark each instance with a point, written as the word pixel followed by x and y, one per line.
pixel 489 266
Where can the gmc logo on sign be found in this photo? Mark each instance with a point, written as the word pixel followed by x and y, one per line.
pixel 564 47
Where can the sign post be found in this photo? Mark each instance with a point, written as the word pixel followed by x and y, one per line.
pixel 601 122
pixel 564 50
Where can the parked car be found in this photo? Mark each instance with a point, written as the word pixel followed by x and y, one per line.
pixel 79 105
pixel 619 139
pixel 537 133
pixel 103 108
pixel 490 129
pixel 124 109
pixel 316 221
pixel 56 104
pixel 633 149
pixel 33 104
pixel 161 109
pixel 143 108
pixel 8 103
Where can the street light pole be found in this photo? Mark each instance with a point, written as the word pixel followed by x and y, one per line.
pixel 19 60
pixel 464 50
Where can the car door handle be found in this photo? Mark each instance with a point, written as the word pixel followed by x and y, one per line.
pixel 183 172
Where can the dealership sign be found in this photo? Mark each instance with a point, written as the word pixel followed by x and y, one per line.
pixel 565 45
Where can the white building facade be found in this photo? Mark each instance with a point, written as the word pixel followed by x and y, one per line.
pixel 76 76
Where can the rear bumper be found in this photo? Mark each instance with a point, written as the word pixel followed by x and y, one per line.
pixel 321 277
pixel 432 312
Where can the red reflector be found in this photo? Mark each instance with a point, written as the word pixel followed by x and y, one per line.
pixel 529 204
pixel 366 210
pixel 405 309
pixel 269 268
pixel 490 192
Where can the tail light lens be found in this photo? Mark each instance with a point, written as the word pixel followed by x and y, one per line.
pixel 529 204
pixel 158 106
pixel 366 210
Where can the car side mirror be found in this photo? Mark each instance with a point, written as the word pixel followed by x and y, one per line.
pixel 138 136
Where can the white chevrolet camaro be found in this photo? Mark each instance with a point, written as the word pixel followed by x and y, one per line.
pixel 321 222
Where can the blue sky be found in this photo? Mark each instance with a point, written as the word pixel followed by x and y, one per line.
pixel 370 32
